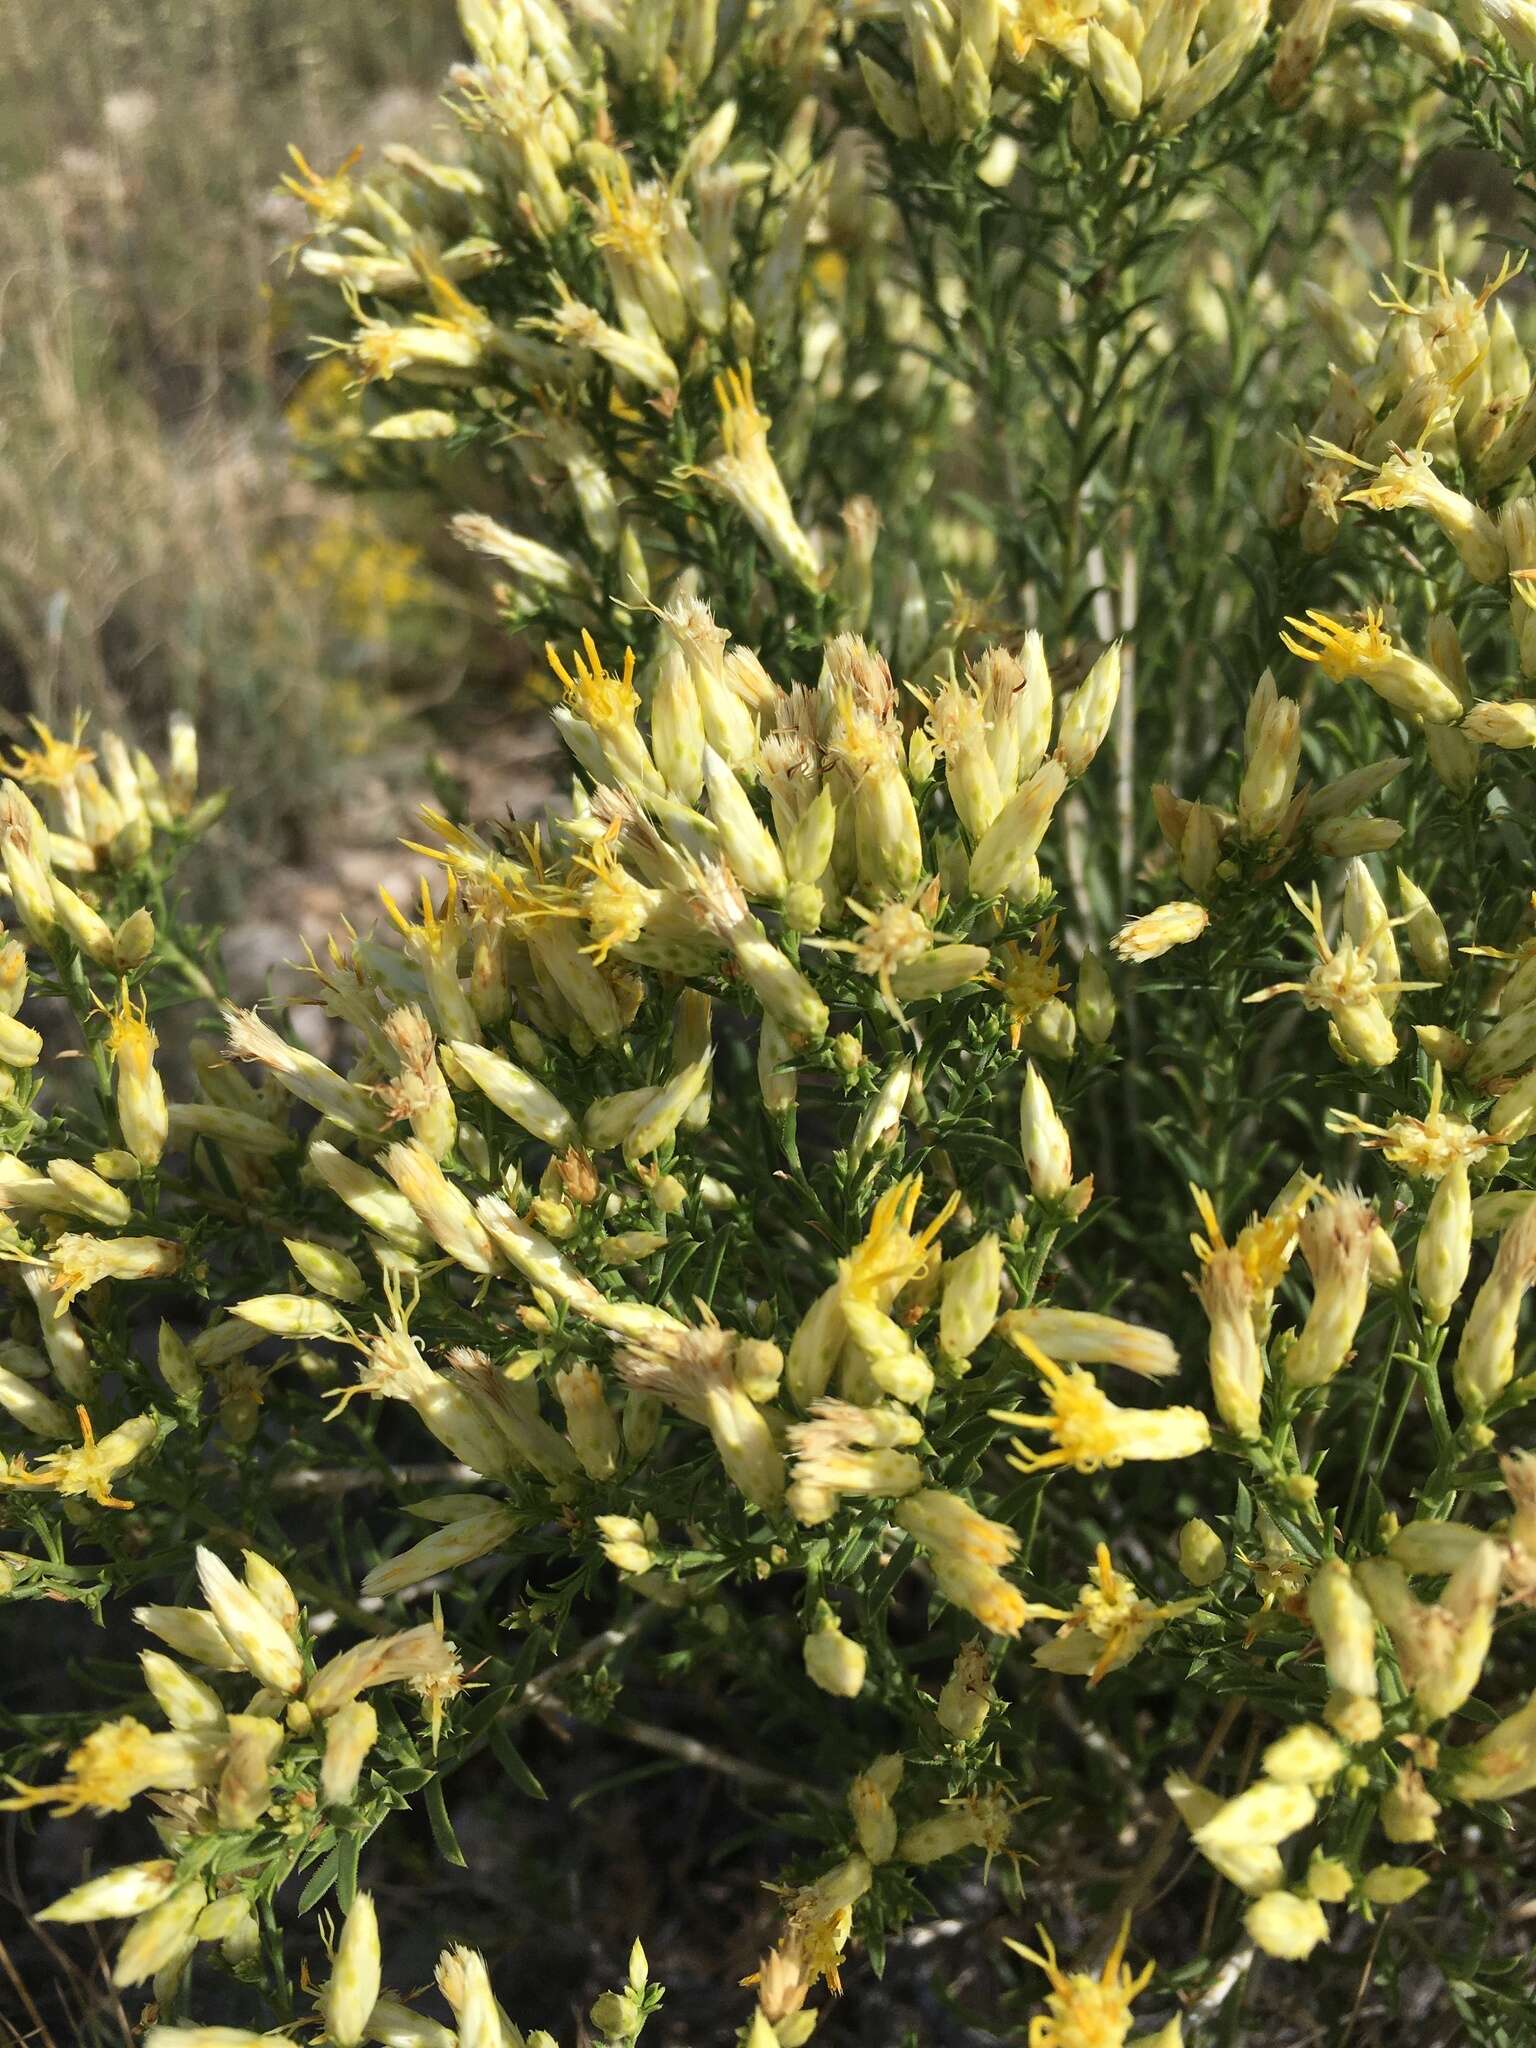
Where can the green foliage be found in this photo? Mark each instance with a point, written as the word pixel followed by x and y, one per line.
pixel 716 1275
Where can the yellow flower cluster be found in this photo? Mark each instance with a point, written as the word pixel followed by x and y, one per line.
pixel 726 1232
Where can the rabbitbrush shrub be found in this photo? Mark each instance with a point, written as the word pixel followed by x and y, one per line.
pixel 959 1209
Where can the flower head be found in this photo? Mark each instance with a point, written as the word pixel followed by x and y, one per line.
pixel 1091 1430
pixel 1082 2010
pixel 1425 1147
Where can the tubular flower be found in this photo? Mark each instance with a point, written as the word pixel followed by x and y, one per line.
pixel 141 1110
pixel 1109 1624
pixel 1408 478
pixel 1344 984
pixel 118 1761
pixel 694 1370
pixel 1076 1337
pixel 905 957
pixel 1043 1140
pixel 1365 653
pixel 972 1289
pixel 1235 1356
pixel 1441 1646
pixel 968 1552
pixel 746 474
pixel 1336 1241
pixel 1503 1762
pixel 1425 1147
pixel 90 1469
pixel 1346 1629
pixel 849 1450
pixel 607 705
pixel 1090 1430
pixel 1082 2010
pixel 79 1262
pixel 1485 1360
pixel 421 1658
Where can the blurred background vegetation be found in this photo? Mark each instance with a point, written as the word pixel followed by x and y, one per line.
pixel 163 543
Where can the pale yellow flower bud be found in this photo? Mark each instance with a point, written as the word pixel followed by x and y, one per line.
pixel 589 1421
pixel 20 1045
pixel 1346 1628
pixel 668 1108
pixel 626 1543
pixel 327 1270
pixel 86 927
pixel 131 1889
pixel 1085 719
pixel 1426 934
pixel 881 1119
pixel 1080 1337
pixel 892 102
pixel 290 1315
pixel 1003 861
pixel 1236 1360
pixel 776 1077
pixel 1335 1239
pixel 447 1549
pixel 869 1802
pixel 1353 1718
pixel 25 855
pixel 972 1287
pixel 1444 1251
pixel 931 69
pixel 1253 1867
pixel 1304 1755
pixel 349 1735
pixel 1510 725
pixel 967 1696
pixel 349 1998
pixel 27 1404
pixel 162 1934
pixel 1200 848
pixel 513 1091
pixel 745 841
pixel 1260 1817
pixel 1410 1809
pixel 1113 71
pixel 1485 1361
pixel 1509 1046
pixel 1043 1140
pixel 677 726
pixel 1328 1880
pixel 1392 1884
pixel 833 1661
pixel 1283 1925
pixel 1095 1000
pixel 1202 1554
pixel 1160 930
pixel 444 1209
pixel 263 1645
pixel 191 1633
pixel 1269 781
pixel 185 1701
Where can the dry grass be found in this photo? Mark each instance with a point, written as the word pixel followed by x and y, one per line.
pixel 158 548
